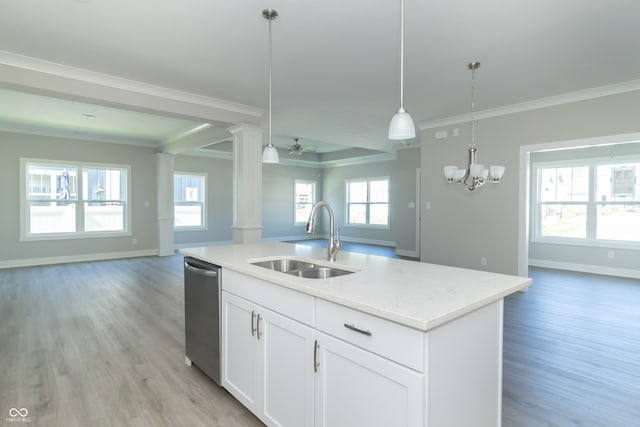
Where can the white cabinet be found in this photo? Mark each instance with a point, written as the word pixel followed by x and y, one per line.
pixel 355 387
pixel 363 373
pixel 267 362
pixel 295 360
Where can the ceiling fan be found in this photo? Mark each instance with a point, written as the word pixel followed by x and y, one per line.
pixel 297 149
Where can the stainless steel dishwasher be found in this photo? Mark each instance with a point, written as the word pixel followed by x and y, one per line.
pixel 201 316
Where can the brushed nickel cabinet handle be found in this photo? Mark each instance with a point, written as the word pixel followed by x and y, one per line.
pixel 355 328
pixel 253 330
pixel 258 326
pixel 315 356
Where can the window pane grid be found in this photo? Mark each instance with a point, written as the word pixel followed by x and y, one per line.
pixel 189 200
pixel 592 201
pixel 368 202
pixel 55 204
pixel 304 199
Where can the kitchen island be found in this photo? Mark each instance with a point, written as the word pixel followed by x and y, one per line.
pixel 392 343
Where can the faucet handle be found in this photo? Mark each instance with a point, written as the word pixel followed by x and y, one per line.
pixel 337 242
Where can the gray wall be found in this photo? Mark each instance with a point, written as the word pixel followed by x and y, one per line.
pixel 404 192
pixel 143 223
pixel 277 199
pixel 402 175
pixel 462 226
pixel 219 200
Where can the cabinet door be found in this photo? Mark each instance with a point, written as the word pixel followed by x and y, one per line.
pixel 287 357
pixel 240 352
pixel 357 388
pixel 267 362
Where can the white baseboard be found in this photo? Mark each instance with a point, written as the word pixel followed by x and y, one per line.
pixel 369 241
pixel 593 269
pixel 295 237
pixel 198 244
pixel 32 262
pixel 404 252
pixel 343 238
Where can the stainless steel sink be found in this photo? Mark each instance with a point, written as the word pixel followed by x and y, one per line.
pixel 299 268
pixel 319 272
pixel 284 265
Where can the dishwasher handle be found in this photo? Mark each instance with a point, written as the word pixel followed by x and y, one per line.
pixel 198 270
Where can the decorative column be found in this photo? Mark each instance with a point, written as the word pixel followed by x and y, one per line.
pixel 247 183
pixel 165 203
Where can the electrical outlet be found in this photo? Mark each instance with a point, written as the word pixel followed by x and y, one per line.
pixel 483 260
pixel 134 241
pixel 611 254
pixel 427 205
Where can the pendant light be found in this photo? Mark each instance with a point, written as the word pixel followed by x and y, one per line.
pixel 402 126
pixel 270 154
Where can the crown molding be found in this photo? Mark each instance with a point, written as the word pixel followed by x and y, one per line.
pixel 567 98
pixel 30 129
pixel 86 76
pixel 298 162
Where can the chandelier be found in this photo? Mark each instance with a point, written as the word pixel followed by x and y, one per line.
pixel 475 175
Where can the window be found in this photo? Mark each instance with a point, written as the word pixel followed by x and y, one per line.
pixel 368 202
pixel 68 199
pixel 189 200
pixel 592 200
pixel 305 197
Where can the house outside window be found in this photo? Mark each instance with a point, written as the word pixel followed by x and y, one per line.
pixel 189 201
pixel 368 202
pixel 594 202
pixel 71 199
pixel 304 199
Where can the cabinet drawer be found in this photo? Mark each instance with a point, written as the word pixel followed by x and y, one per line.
pixel 388 339
pixel 295 305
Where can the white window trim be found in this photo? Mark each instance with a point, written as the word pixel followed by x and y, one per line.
pixel 204 225
pixel 592 163
pixel 313 201
pixel 348 224
pixel 25 236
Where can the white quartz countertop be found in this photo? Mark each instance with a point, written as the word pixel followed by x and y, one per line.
pixel 419 295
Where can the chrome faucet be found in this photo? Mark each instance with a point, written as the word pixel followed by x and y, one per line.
pixel 334 241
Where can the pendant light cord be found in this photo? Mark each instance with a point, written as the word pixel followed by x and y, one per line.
pixel 402 54
pixel 270 54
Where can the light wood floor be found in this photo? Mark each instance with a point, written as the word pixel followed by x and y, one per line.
pixel 102 344
pixel 572 352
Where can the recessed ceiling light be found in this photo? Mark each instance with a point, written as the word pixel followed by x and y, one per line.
pixel 88 116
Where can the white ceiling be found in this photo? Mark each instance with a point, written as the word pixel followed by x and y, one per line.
pixel 335 63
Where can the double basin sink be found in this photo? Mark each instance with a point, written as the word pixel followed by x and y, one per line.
pixel 299 268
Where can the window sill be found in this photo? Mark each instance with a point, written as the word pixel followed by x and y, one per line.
pixel 368 226
pixel 70 236
pixel 566 241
